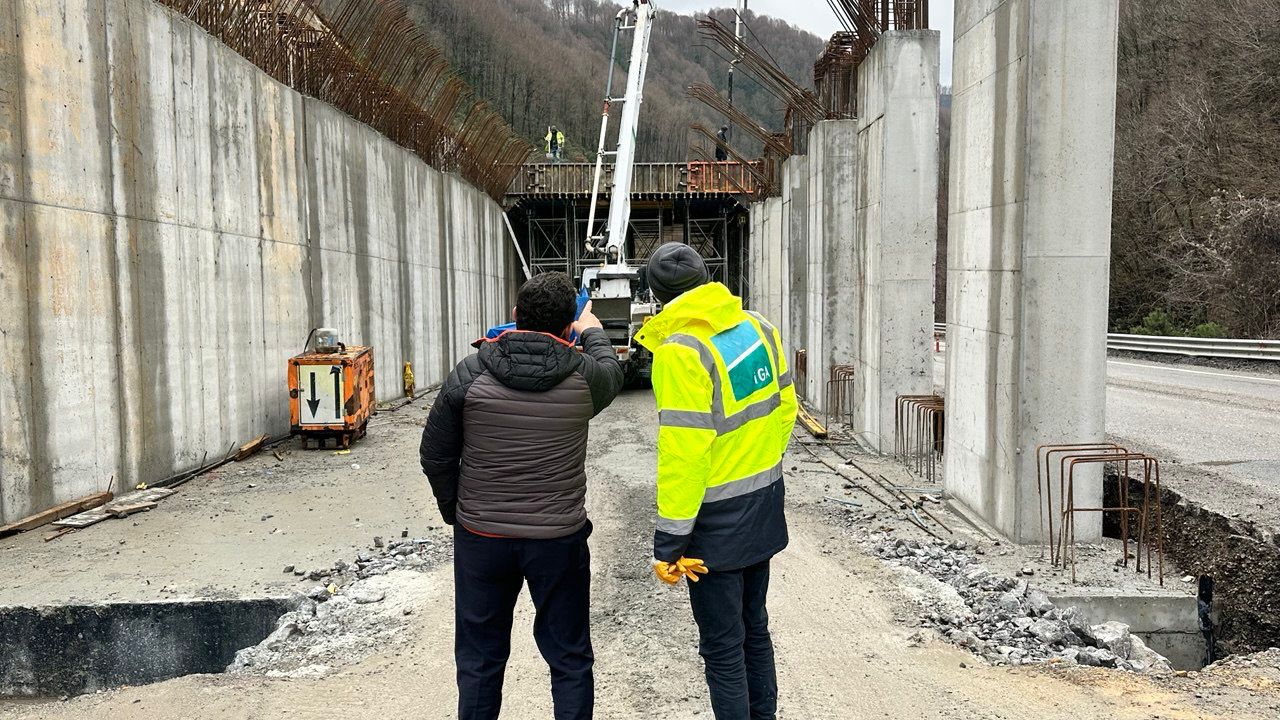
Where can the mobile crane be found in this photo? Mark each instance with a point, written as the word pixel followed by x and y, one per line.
pixel 619 297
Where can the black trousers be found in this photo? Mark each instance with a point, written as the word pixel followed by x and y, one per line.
pixel 733 626
pixel 488 574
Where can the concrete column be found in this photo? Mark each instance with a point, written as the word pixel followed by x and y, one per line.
pixel 833 283
pixel 795 214
pixel 768 276
pixel 755 240
pixel 1027 260
pixel 896 231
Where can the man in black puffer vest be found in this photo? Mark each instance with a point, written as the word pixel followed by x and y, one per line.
pixel 505 449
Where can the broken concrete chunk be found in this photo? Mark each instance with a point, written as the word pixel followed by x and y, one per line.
pixel 1114 636
pixel 1149 659
pixel 1039 603
pixel 1097 657
pixel 286 630
pixel 1011 603
pixel 1080 626
pixel 1049 632
pixel 364 595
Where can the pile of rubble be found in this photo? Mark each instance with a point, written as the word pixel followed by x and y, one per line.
pixel 1008 622
pixel 381 558
pixel 1267 659
pixel 356 608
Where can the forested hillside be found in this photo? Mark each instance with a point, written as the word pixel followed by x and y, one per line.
pixel 543 62
pixel 1196 217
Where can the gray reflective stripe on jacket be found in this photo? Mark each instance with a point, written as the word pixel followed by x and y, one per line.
pixel 677 527
pixel 742 486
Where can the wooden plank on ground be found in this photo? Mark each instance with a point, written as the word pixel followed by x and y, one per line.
pixel 811 424
pixel 97 515
pixel 45 517
pixel 124 511
pixel 251 447
pixel 58 533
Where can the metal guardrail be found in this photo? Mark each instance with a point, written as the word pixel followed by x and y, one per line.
pixel 1196 347
pixel 1187 346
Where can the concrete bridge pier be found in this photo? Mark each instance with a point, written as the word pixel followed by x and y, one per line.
pixel 847 269
pixel 1033 125
pixel 897 228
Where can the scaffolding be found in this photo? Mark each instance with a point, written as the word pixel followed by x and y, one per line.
pixel 552 231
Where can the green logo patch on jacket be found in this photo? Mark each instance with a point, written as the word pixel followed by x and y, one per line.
pixel 745 357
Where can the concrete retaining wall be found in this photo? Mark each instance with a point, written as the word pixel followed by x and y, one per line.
pixel 173 222
pixel 1033 121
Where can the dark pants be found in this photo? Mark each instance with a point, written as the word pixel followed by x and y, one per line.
pixel 733 624
pixel 488 573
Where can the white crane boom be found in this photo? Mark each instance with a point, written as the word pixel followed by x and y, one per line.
pixel 615 231
pixel 617 294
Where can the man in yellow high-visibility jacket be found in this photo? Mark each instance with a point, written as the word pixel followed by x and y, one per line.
pixel 726 406
pixel 555 143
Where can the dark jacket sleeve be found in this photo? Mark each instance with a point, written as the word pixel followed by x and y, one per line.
pixel 601 368
pixel 441 449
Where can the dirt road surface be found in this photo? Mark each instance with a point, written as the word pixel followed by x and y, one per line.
pixel 842 622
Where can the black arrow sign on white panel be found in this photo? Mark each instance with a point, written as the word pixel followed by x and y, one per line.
pixel 337 390
pixel 322 390
pixel 313 402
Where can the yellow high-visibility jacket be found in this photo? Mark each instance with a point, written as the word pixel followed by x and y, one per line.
pixel 726 406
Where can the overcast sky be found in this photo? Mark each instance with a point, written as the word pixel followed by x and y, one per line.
pixel 816 17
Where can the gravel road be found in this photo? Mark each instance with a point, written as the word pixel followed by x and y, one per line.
pixel 846 629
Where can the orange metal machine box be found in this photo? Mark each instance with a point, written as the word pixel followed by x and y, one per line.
pixel 331 395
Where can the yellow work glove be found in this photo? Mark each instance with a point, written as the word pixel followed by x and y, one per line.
pixel 670 573
pixel 690 566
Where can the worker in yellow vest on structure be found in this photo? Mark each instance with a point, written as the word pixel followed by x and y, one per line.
pixel 555 144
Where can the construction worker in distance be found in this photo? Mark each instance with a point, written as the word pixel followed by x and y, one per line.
pixel 722 136
pixel 726 406
pixel 555 143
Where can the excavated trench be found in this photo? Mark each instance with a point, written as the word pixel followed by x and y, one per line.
pixel 1236 564
pixel 60 650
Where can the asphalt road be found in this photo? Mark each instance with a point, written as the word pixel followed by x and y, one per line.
pixel 1217 430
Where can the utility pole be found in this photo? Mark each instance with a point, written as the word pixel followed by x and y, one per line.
pixel 737 33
